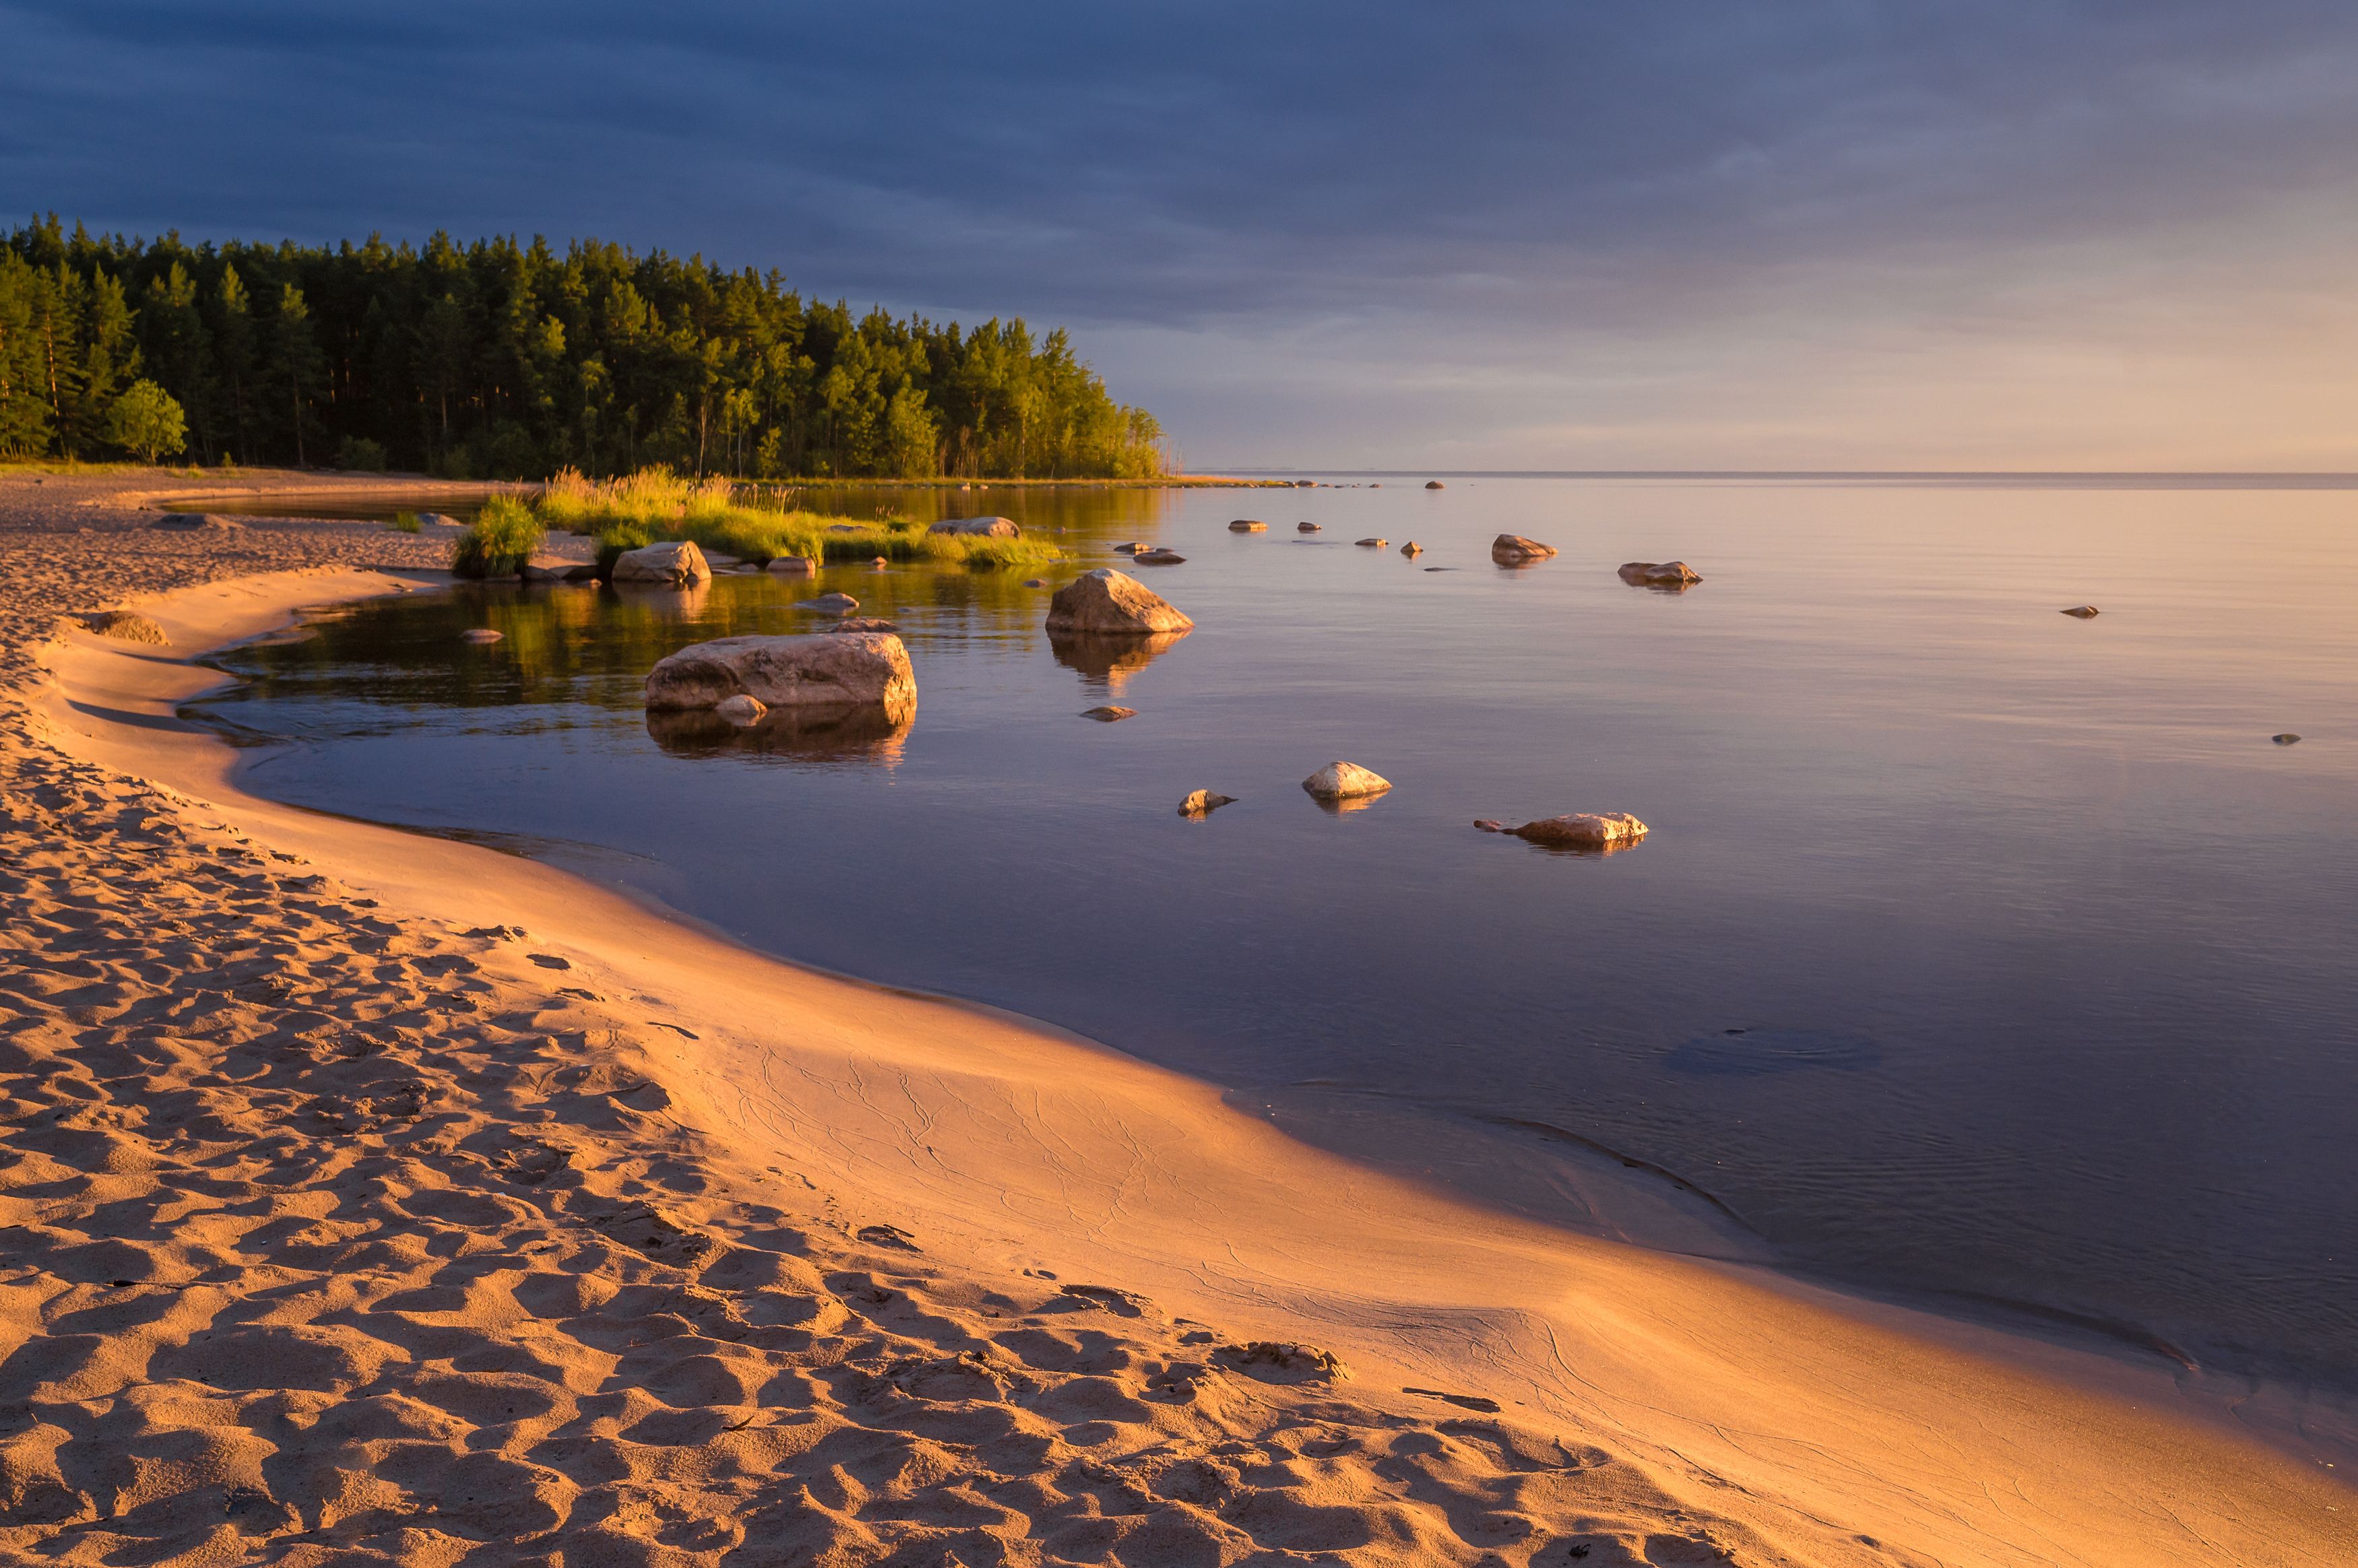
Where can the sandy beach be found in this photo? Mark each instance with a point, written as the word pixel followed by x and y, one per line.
pixel 373 1197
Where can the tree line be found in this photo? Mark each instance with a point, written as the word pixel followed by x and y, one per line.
pixel 502 360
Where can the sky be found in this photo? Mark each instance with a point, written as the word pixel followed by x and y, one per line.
pixel 1682 234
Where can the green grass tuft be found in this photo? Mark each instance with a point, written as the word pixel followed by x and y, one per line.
pixel 497 544
pixel 655 504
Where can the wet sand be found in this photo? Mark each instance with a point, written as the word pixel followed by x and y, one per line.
pixel 374 1197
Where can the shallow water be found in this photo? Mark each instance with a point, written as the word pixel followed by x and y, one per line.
pixel 1975 949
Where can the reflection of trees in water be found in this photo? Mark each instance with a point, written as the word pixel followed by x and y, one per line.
pixel 1107 662
pixel 869 735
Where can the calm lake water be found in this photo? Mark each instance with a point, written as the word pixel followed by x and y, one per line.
pixel 1977 949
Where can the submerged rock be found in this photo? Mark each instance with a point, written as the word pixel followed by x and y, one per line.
pixel 1344 781
pixel 979 527
pixel 1247 525
pixel 1514 550
pixel 794 566
pixel 1202 803
pixel 1584 830
pixel 124 625
pixel 1106 602
pixel 1109 714
pixel 864 623
pixel 741 709
pixel 1660 573
pixel 2083 611
pixel 1035 582
pixel 675 561
pixel 1160 557
pixel 846 670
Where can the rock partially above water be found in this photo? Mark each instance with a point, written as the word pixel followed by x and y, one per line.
pixel 1106 602
pixel 2083 611
pixel 481 635
pixel 1344 781
pixel 856 669
pixel 677 561
pixel 979 527
pixel 1109 714
pixel 124 625
pixel 1411 550
pixel 2287 738
pixel 865 623
pixel 1371 544
pixel 794 566
pixel 1035 582
pixel 1514 550
pixel 830 604
pixel 1160 557
pixel 1202 803
pixel 1247 525
pixel 740 709
pixel 1660 573
pixel 1583 830
pixel 1306 528
pixel 1435 484
pixel 1130 547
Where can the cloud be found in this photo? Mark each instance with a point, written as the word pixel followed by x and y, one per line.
pixel 1478 186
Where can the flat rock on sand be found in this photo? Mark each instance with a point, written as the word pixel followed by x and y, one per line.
pixel 1106 602
pixel 840 669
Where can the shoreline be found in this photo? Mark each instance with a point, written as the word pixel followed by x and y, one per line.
pixel 1547 1324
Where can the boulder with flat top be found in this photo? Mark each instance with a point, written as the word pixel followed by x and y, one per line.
pixel 856 669
pixel 1584 830
pixel 676 562
pixel 1107 603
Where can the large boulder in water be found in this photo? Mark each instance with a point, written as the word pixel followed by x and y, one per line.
pixel 677 561
pixel 1514 550
pixel 1107 603
pixel 855 669
pixel 979 527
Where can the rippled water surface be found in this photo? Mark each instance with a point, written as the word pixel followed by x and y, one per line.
pixel 1975 949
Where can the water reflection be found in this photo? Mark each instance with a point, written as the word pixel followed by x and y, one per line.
pixel 823 735
pixel 1107 662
